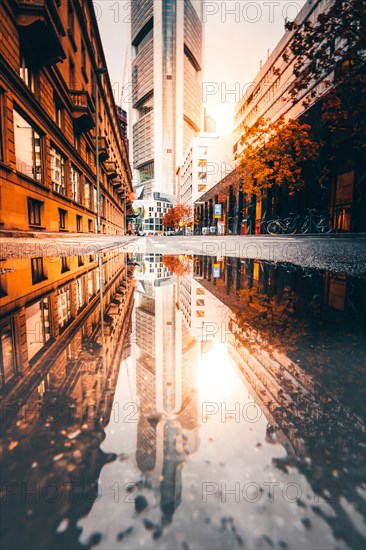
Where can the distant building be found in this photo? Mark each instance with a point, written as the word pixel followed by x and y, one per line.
pixel 210 124
pixel 52 83
pixel 206 162
pixel 151 211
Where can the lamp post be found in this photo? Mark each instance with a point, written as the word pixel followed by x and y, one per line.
pixel 124 203
pixel 98 71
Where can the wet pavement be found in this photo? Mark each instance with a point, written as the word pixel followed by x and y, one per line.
pixel 191 401
pixel 342 253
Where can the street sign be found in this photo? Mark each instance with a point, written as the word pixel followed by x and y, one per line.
pixel 217 211
pixel 216 271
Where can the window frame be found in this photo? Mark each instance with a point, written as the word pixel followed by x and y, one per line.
pixel 62 217
pixel 38 270
pixel 3 380
pixel 27 74
pixel 40 205
pixel 58 155
pixel 75 185
pixel 34 132
pixel 65 265
pixel 79 223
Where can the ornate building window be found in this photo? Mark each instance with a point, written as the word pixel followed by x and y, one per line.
pixel 27 148
pixel 58 171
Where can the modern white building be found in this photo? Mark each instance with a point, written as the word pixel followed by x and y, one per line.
pixel 151 211
pixel 207 161
pixel 166 38
pixel 205 315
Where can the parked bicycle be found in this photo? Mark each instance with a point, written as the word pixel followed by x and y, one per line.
pixel 287 226
pixel 315 223
pixel 311 223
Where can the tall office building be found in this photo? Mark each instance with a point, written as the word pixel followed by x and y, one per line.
pixel 167 109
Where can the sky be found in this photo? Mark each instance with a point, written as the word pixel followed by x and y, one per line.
pixel 237 36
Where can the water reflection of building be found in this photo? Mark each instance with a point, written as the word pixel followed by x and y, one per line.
pixel 166 362
pixel 298 342
pixel 205 316
pixel 282 314
pixel 45 300
pixel 64 394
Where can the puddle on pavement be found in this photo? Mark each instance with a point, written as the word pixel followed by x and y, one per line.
pixel 181 402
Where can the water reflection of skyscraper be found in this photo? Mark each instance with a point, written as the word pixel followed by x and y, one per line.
pixel 166 365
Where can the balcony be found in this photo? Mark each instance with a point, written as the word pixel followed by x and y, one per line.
pixel 116 182
pixel 122 192
pixel 83 110
pixel 111 169
pixel 103 149
pixel 41 31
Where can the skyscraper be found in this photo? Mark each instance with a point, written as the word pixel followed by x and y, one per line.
pixel 166 41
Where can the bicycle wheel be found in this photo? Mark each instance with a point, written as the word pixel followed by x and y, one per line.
pixel 305 226
pixel 323 226
pixel 273 227
pixel 290 225
pixel 264 228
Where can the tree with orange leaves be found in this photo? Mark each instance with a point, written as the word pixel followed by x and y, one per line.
pixel 179 265
pixel 274 155
pixel 178 216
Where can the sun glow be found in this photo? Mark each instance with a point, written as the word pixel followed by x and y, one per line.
pixel 223 115
pixel 215 377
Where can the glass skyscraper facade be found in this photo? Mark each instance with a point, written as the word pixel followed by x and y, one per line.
pixel 167 108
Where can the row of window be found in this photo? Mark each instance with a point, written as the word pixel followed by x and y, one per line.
pixel 36 215
pixel 29 161
pixel 39 328
pixel 39 272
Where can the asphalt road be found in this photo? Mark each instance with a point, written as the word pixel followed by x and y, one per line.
pixel 338 254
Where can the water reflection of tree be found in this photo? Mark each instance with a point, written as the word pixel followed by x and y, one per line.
pixel 270 319
pixel 179 265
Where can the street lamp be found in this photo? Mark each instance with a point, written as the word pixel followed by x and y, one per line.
pixel 124 204
pixel 97 72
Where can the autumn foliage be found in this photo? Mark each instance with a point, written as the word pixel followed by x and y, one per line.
pixel 269 320
pixel 274 155
pixel 179 265
pixel 178 216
